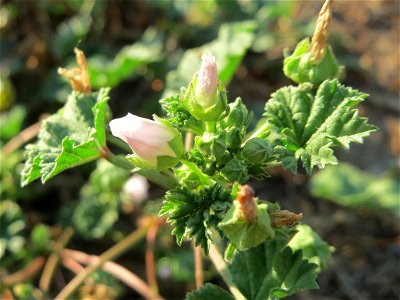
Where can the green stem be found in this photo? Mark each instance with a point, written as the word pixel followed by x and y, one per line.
pixel 119 143
pixel 222 269
pixel 165 181
pixel 261 132
pixel 112 253
pixel 210 126
pixel 160 179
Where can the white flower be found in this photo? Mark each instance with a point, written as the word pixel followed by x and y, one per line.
pixel 207 81
pixel 148 139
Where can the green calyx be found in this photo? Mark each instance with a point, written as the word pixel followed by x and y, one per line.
pixel 163 161
pixel 245 235
pixel 257 150
pixel 207 114
pixel 301 67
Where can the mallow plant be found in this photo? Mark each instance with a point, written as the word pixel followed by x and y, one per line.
pixel 203 153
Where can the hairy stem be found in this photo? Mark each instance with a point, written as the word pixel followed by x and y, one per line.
pixel 112 253
pixel 165 181
pixel 118 142
pixel 261 132
pixel 222 269
pixel 198 254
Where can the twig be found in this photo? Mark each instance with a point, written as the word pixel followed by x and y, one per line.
pixel 23 275
pixel 116 270
pixel 222 269
pixel 150 265
pixel 23 137
pixel 112 253
pixel 198 265
pixel 52 261
pixel 321 33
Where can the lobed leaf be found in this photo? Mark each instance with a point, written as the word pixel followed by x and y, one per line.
pixel 209 291
pixel 310 123
pixel 272 270
pixel 73 136
pixel 195 214
pixel 315 250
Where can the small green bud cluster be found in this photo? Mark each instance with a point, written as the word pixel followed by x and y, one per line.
pixel 301 67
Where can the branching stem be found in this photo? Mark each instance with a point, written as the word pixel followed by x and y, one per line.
pixel 112 253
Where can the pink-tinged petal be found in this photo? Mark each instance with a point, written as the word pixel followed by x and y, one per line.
pixel 207 80
pixel 148 139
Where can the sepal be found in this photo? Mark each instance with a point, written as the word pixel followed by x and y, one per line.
pixel 204 113
pixel 244 234
pixel 301 68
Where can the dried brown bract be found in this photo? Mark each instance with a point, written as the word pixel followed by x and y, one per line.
pixel 78 77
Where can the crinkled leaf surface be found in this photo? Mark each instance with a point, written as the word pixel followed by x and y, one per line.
pixel 71 137
pixel 194 214
pixel 310 123
pixel 229 49
pixel 209 292
pixel 271 270
pixel 348 186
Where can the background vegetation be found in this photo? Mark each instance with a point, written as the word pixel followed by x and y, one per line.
pixel 146 50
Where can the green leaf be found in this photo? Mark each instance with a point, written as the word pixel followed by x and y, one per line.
pixel 271 270
pixel 12 224
pixel 40 237
pixel 69 33
pixel 209 291
pixel 194 214
pixel 310 123
pixel 348 186
pixel 11 123
pixel 179 116
pixel 110 72
pixel 99 203
pixel 229 49
pixel 315 250
pixel 73 136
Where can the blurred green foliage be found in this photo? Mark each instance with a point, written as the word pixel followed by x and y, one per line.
pixel 349 186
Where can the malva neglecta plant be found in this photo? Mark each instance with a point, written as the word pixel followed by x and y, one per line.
pixel 266 253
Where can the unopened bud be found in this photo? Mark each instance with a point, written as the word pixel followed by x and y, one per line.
pixel 207 81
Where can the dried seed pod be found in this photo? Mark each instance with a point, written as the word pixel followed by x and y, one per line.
pixel 320 38
pixel 284 218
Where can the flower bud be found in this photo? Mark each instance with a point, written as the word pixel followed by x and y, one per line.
pixel 156 144
pixel 256 150
pixel 238 115
pixel 205 98
pixel 207 81
pixel 235 170
pixel 301 67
